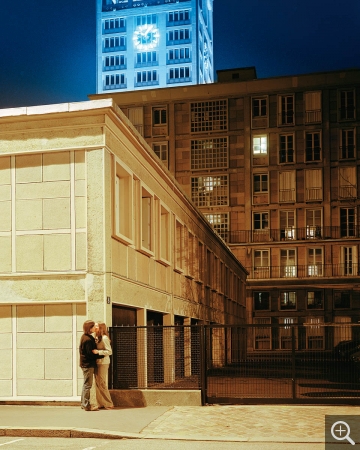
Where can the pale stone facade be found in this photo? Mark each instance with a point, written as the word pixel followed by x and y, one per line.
pixel 90 219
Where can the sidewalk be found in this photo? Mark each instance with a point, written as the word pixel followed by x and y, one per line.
pixel 237 423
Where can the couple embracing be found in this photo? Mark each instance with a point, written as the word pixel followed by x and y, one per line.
pixel 95 351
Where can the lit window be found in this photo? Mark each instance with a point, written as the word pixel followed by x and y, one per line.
pixel 220 223
pixel 260 145
pixel 209 191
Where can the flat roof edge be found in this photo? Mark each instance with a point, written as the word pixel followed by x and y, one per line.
pixel 57 108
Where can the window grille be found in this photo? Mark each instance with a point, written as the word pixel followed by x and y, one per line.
pixel 220 223
pixel 209 154
pixel 209 116
pixel 209 191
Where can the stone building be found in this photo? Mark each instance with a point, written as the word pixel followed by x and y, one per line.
pixel 274 166
pixel 93 226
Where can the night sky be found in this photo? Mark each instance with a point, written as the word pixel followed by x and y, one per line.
pixel 47 47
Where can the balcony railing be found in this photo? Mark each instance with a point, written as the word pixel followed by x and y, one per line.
pixel 313 116
pixel 304 271
pixel 310 232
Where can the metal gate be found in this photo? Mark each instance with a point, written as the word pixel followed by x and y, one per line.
pixel 310 363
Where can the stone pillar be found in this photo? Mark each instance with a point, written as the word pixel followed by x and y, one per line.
pixel 169 349
pixel 142 348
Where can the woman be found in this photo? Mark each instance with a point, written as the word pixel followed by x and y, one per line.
pixel 88 356
pixel 102 367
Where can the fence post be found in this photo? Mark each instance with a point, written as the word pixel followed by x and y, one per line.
pixel 203 365
pixel 293 368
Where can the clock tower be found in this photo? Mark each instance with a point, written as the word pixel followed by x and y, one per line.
pixel 153 43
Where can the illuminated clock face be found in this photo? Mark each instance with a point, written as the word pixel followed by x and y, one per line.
pixel 146 37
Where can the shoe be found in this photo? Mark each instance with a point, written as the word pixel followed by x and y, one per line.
pixel 108 407
pixel 92 408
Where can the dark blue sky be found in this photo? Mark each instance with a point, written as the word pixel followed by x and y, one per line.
pixel 47 47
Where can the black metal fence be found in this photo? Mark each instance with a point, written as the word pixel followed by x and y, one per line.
pixel 309 363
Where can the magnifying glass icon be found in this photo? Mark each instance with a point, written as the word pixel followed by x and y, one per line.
pixel 337 432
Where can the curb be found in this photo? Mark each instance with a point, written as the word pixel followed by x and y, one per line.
pixel 104 434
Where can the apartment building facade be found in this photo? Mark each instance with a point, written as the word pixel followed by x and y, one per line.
pixel 273 165
pixel 157 43
pixel 93 226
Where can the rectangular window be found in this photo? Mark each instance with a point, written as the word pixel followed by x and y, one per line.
pixel 136 117
pixel 287 300
pixel 286 150
pixel 313 223
pixel 147 76
pixel 288 266
pixel 179 54
pixel 176 17
pixel 209 116
pixel 313 146
pixel 286 110
pixel 262 333
pixel 261 183
pixel 261 301
pixel 347 182
pixel 220 223
pixel 115 43
pixel 114 81
pixel 209 154
pixel 286 333
pixel 313 185
pixel 123 203
pixel 315 262
pixel 147 207
pixel 347 147
pixel 159 116
pixel 349 261
pixel 260 145
pixel 315 300
pixel 113 25
pixel 347 105
pixel 115 62
pixel 313 107
pixel 146 58
pixel 183 34
pixel 342 299
pixel 287 225
pixel 287 186
pixel 261 264
pixel 315 333
pixel 261 220
pixel 347 222
pixel 259 107
pixel 179 74
pixel 210 191
pixel 164 240
pixel 179 245
pixel 162 152
pixel 149 19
